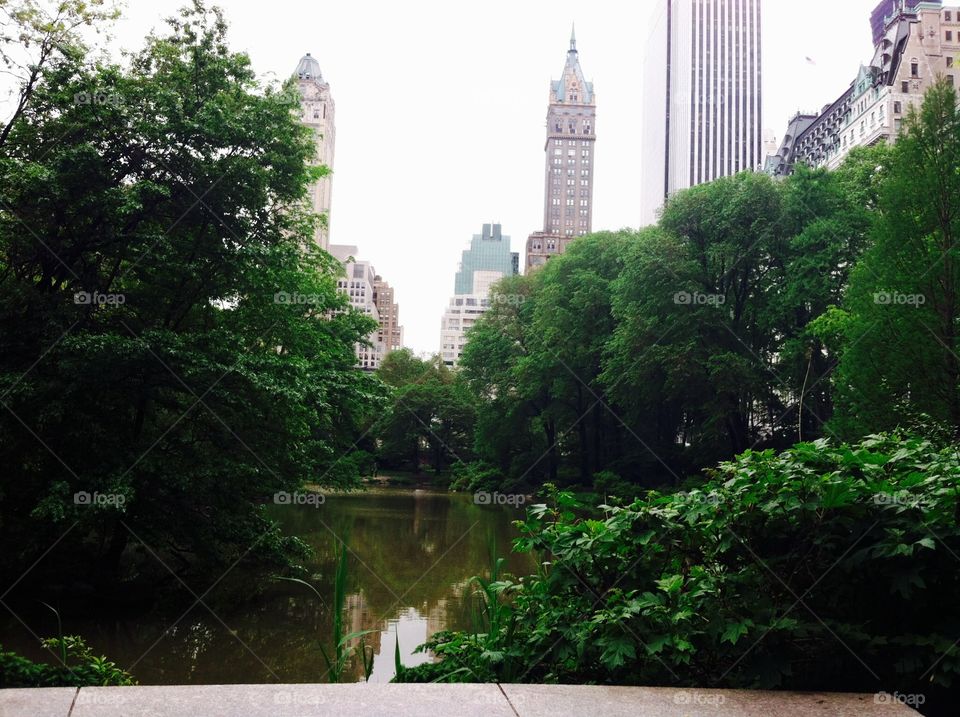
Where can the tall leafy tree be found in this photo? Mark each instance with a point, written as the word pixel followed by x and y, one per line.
pixel 429 418
pixel 695 316
pixel 898 329
pixel 169 336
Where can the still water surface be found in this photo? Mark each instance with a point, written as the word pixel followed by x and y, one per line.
pixel 412 555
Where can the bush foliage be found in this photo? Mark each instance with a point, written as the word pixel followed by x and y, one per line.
pixel 825 566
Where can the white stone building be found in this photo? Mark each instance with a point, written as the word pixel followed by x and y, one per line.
pixel 359 284
pixel 916 43
pixel 317 111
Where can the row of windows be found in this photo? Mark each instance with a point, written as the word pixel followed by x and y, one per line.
pixel 558 152
pixel 572 127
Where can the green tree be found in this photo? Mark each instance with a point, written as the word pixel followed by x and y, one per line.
pixel 898 330
pixel 40 37
pixel 169 336
pixel 697 328
pixel 430 416
pixel 515 433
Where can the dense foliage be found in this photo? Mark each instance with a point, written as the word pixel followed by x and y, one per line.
pixel 756 313
pixel 429 419
pixel 75 665
pixel 822 567
pixel 803 335
pixel 173 349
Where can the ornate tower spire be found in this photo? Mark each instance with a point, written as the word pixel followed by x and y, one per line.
pixel 317 111
pixel 573 38
pixel 568 177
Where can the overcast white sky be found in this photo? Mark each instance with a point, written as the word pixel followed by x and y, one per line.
pixel 441 108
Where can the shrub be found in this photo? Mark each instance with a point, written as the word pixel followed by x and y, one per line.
pixel 77 667
pixel 823 567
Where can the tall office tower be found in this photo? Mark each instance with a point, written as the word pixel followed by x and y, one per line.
pixel 317 111
pixel 488 260
pixel 703 96
pixel 568 174
pixel 390 332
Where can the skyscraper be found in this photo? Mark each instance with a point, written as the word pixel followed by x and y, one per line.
pixel 488 260
pixel 317 111
pixel 390 332
pixel 703 96
pixel 568 172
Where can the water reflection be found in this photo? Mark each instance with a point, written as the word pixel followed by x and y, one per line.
pixel 411 554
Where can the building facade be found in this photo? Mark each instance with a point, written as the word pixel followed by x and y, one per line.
pixel 703 96
pixel 317 111
pixel 488 260
pixel 918 42
pixel 568 172
pixel 371 295
pixel 390 332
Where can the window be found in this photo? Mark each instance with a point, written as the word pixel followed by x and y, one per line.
pixel 949 61
pixel 914 69
pixel 949 35
pixel 948 16
pixel 897 108
pixel 950 80
pixel 558 151
pixel 904 86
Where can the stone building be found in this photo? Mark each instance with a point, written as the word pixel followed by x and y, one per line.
pixel 916 42
pixel 390 332
pixel 369 293
pixel 317 111
pixel 568 172
pixel 703 96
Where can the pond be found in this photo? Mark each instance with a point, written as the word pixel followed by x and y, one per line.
pixel 412 554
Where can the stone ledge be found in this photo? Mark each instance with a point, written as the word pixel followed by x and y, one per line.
pixel 433 700
pixel 41 702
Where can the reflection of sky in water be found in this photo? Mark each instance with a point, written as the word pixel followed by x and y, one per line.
pixel 413 631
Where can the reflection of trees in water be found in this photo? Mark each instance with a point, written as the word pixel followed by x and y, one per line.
pixel 410 545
